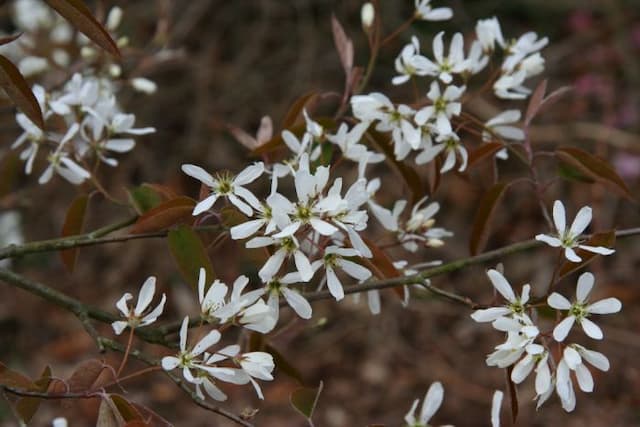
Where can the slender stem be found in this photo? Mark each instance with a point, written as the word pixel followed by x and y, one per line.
pixel 126 353
pixel 398 30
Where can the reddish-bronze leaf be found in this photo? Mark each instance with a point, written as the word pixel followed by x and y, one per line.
pixel 73 225
pixel 381 261
pixel 26 407
pixel 604 238
pixel 79 15
pixel 535 102
pixel 594 167
pixel 485 210
pixel 85 376
pixel 11 378
pixel 18 91
pixel 296 108
pixel 344 45
pixel 9 39
pixel 165 215
pixel 126 409
pixel 152 419
pixel 108 415
pixel 284 364
pixel 189 254
pixel 485 150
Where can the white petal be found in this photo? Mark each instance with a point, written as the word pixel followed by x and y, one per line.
pixel 146 295
pixel 432 401
pixel 502 285
pixel 583 218
pixel 489 314
pixel 549 240
pixel 591 329
pixel 571 255
pixel 559 216
pixel 210 339
pixel 184 327
pixel 303 265
pixel 605 306
pixel 122 304
pixel 558 302
pixel 119 326
pixel 597 249
pixel 205 205
pixel 334 285
pixel 597 359
pixel 561 331
pixel 585 284
pixel 585 380
pixel 198 173
pixel 355 270
pixel 496 403
pixel 249 174
pixel 323 227
pixel 246 229
pixel 273 264
pixel 242 206
pixel 298 303
pixel 170 362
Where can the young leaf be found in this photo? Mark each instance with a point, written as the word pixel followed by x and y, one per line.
pixel 305 400
pixel 125 408
pixel 595 168
pixel 73 224
pixel 485 150
pixel 296 108
pixel 11 378
pixel 381 261
pixel 26 407
pixel 570 173
pixel 189 253
pixel 9 39
pixel 605 238
pixel 79 15
pixel 535 102
pixel 165 215
pixel 344 45
pixel 18 91
pixel 485 210
pixel 108 416
pixel 85 375
pixel 144 198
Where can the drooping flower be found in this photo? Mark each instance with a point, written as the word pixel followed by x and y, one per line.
pixel 135 315
pixel 426 12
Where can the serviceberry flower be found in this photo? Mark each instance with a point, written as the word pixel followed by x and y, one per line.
pixel 349 143
pixel 445 66
pixel 538 357
pixel 444 106
pixel 499 126
pixel 521 332
pixel 572 361
pixel 410 63
pixel 227 186
pixel 450 144
pixel 426 12
pixel 516 305
pixel 430 404
pixel 135 316
pixel 489 33
pixel 510 86
pixel 334 256
pixel 570 238
pixel 580 310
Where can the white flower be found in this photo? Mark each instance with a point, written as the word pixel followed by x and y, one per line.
pixel 191 360
pixel 79 91
pixel 287 246
pixel 572 361
pixel 227 186
pixel 489 33
pixel 409 63
pixel 516 305
pixel 59 422
pixel 334 257
pixel 449 144
pixel 477 60
pixel 430 404
pixel 526 45
pixel 536 357
pixel 521 332
pixel 61 162
pixel 258 317
pixel 445 66
pixel 349 143
pixel 444 106
pixel 213 299
pixel 499 126
pixel 569 238
pixel 135 315
pixel 509 86
pixel 259 365
pixel 279 286
pixel 425 12
pixel 238 304
pixel 580 310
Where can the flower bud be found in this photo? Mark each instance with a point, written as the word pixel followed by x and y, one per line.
pixel 143 85
pixel 367 15
pixel 114 18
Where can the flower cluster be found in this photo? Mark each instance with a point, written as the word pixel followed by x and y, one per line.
pixel 527 349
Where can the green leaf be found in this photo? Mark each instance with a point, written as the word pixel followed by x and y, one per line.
pixel 79 15
pixel 485 210
pixel 26 407
pixel 190 255
pixel 605 238
pixel 305 400
pixel 164 215
pixel 595 168
pixel 73 225
pixel 144 198
pixel 18 91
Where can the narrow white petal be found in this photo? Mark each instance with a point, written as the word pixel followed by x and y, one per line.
pixel 489 314
pixel 605 306
pixel 561 331
pixel 298 303
pixel 597 249
pixel 585 380
pixel 558 302
pixel 559 216
pixel 334 285
pixel 585 284
pixel 119 326
pixel 198 173
pixel 549 240
pixel 146 295
pixel 571 255
pixel 432 401
pixel 583 218
pixel 501 284
pixel 303 265
pixel 169 363
pixel 205 205
pixel 496 403
pixel 591 329
pixel 210 339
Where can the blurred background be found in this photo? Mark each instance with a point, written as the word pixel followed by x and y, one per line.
pixel 234 62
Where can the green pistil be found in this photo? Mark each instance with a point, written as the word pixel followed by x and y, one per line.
pixel 288 244
pixel 331 260
pixel 440 105
pixel 225 184
pixel 579 311
pixel 274 286
pixel 451 144
pixel 517 307
pixel 303 213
